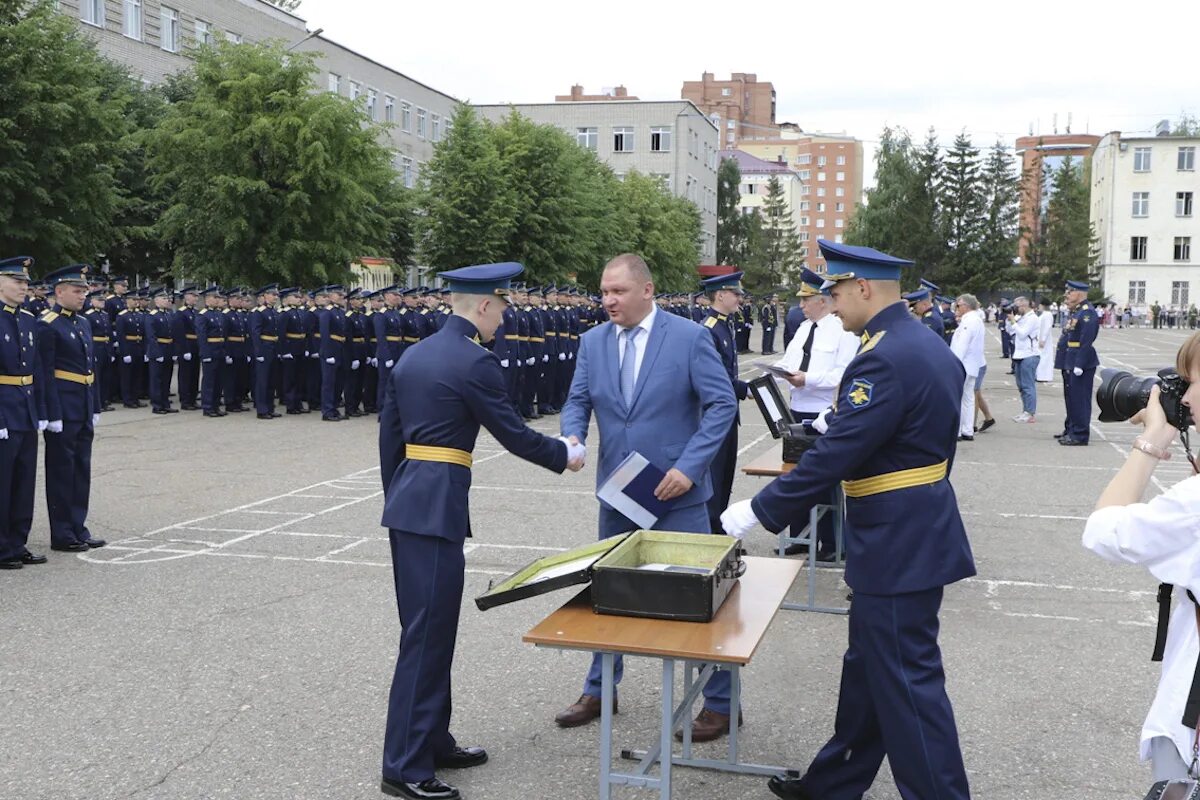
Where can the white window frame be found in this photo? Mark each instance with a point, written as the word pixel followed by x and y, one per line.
pixel 203 31
pixel 1137 292
pixel 334 83
pixel 169 38
pixel 726 91
pixel 406 174
pixel 92 12
pixel 820 208
pixel 1141 205
pixel 820 177
pixel 1181 250
pixel 1179 293
pixel 804 158
pixel 839 207
pixel 1141 159
pixel 587 137
pixel 1138 244
pixel 406 116
pixel 1184 203
pixel 355 90
pixel 389 108
pixel 804 221
pixel 841 162
pixel 820 161
pixel 820 222
pixel 422 122
pixel 1185 161
pixel 662 133
pixel 625 132
pixel 805 174
pixel 372 102
pixel 804 204
pixel 839 223
pixel 236 38
pixel 839 192
pixel 131 19
pixel 435 127
pixel 841 176
pixel 820 191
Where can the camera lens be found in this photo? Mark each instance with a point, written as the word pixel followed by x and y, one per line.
pixel 1121 395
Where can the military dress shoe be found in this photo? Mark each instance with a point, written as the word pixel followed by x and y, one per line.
pixel 461 758
pixel 332 418
pixel 963 438
pixel 73 547
pixel 11 563
pixel 190 408
pixel 295 411
pixel 32 558
pixel 709 725
pixel 795 549
pixel 214 413
pixel 788 788
pixel 581 712
pixel 267 416
pixel 95 543
pixel 107 407
pixel 1067 441
pixel 431 789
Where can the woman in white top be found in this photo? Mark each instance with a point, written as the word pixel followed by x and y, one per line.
pixel 1163 536
pixel 1045 370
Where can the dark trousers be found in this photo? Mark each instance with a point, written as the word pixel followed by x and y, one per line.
pixel 293 381
pixel 721 472
pixel 18 476
pixel 528 379
pixel 370 389
pixel 768 340
pixel 131 379
pixel 264 380
pixel 237 381
pixel 692 519
pixel 892 703
pixel 1006 344
pixel 189 379
pixel 826 534
pixel 160 383
pixel 428 573
pixel 112 378
pixel 354 386
pixel 212 382
pixel 332 384
pixel 1066 376
pixel 313 369
pixel 1079 404
pixel 69 481
pixel 385 375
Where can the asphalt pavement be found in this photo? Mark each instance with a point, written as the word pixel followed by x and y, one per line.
pixel 237 637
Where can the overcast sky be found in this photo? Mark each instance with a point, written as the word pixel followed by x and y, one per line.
pixel 852 66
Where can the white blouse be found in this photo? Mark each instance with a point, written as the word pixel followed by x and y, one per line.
pixel 1163 536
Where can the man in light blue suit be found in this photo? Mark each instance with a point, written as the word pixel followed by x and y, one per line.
pixel 657 387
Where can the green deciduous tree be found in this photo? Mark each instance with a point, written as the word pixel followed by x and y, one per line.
pixel 268 179
pixel 63 137
pixel 899 210
pixel 663 229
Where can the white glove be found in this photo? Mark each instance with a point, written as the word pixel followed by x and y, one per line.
pixel 260 358
pixel 146 359
pixel 821 423
pixel 371 362
pixel 306 354
pixel 174 359
pixel 331 360
pixel 545 359
pixel 287 356
pixel 570 355
pixel 54 426
pixel 128 359
pixel 41 425
pixel 95 420
pixel 562 356
pixel 389 363
pixel 159 359
pixel 738 519
pixel 1077 371
pixel 187 356
pixel 504 363
pixel 228 359
pixel 529 362
pixel 575 452
pixel 3 433
pixel 355 364
pixel 206 360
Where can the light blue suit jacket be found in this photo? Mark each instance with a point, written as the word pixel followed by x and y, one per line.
pixel 683 404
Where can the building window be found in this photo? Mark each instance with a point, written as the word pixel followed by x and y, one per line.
pixel 1183 204
pixel 355 90
pixel 839 192
pixel 1179 294
pixel 389 108
pixel 422 114
pixel 588 138
pixel 92 12
pixel 1137 292
pixel 839 207
pixel 622 140
pixel 132 25
pixel 841 176
pixel 1137 248
pixel 1141 204
pixel 204 34
pixel 335 83
pixel 838 239
pixel 1186 161
pixel 730 138
pixel 1183 248
pixel 660 140
pixel 839 223
pixel 820 161
pixel 804 222
pixel 407 167
pixel 841 162
pixel 372 101
pixel 804 205
pixel 725 92
pixel 168 32
pixel 820 191
pixel 749 188
pixel 804 158
pixel 804 236
pixel 435 127
pixel 804 189
pixel 731 124
pixel 820 222
pixel 805 174
pixel 405 117
pixel 1141 159
pixel 236 38
pixel 820 208
pixel 820 177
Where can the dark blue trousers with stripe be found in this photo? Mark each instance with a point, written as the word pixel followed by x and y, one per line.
pixel 892 703
pixel 429 574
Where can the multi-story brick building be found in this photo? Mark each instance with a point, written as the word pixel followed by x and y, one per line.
pixel 670 139
pixel 745 106
pixel 1039 156
pixel 830 173
pixel 756 179
pixel 577 95
pixel 1144 193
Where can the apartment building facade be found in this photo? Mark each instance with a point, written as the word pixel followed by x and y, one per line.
pixel 1143 211
pixel 744 105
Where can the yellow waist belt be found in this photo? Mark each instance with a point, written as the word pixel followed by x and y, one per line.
pixel 216 339
pixel 1073 344
pixel 133 338
pixel 76 377
pixel 412 339
pixel 891 481
pixel 295 335
pixel 99 338
pixel 536 339
pixel 395 338
pixel 337 338
pixel 190 335
pixel 161 340
pixel 446 455
pixel 16 380
pixel 267 338
pixel 237 338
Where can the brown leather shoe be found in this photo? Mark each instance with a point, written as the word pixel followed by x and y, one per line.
pixel 581 712
pixel 709 725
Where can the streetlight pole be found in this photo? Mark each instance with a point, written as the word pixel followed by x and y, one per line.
pixel 312 35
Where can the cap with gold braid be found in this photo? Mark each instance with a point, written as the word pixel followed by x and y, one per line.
pixel 495 279
pixel 848 262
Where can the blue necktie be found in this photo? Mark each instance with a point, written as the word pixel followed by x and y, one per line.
pixel 628 362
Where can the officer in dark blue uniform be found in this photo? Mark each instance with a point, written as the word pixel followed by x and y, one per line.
pixel 949 318
pixel 537 350
pixel 770 321
pixel 388 325
pixel 1006 339
pixel 187 348
pixel 102 354
pixel 891 440
pixel 210 340
pixel 237 351
pixel 35 302
pixel 791 323
pixel 72 408
pixel 356 352
pixel 439 395
pixel 129 343
pixel 20 415
pixel 263 330
pixel 922 308
pixel 159 332
pixel 293 350
pixel 370 386
pixel 332 339
pixel 505 348
pixel 548 386
pixel 1079 364
pixel 310 312
pixel 724 293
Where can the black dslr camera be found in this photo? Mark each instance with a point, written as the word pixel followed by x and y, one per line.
pixel 1174 790
pixel 1121 395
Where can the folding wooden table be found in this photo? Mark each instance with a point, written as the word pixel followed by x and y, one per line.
pixel 728 642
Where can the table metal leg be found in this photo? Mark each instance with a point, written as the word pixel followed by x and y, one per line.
pixel 606 715
pixel 735 709
pixel 668 729
pixel 687 720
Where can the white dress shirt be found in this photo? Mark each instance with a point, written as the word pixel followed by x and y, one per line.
pixel 833 349
pixel 639 344
pixel 967 342
pixel 1164 537
pixel 1025 332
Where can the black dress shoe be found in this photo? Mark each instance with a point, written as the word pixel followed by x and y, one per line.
pixel 32 558
pixel 788 788
pixel 190 408
pixel 1062 435
pixel 461 758
pixel 294 411
pixel 275 414
pixel 73 547
pixel 962 438
pixel 133 405
pixel 1067 441
pixel 431 789
pixel 214 413
pixel 332 418
pixel 11 563
pixel 107 407
pixel 171 410
pixel 794 549
pixel 267 416
pixel 987 423
pixel 95 543
pixel 354 413
pixel 160 411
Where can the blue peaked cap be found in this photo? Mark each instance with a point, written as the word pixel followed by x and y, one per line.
pixel 846 261
pixel 930 285
pixel 917 296
pixel 17 266
pixel 1078 286
pixel 495 279
pixel 76 273
pixel 732 281
pixel 811 283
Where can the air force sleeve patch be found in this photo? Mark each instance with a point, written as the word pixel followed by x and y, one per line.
pixel 860 392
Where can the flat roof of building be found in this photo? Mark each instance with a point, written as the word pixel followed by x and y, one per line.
pixel 381 65
pixel 601 103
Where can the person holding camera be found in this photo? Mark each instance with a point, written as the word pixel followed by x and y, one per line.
pixel 1161 536
pixel 1024 328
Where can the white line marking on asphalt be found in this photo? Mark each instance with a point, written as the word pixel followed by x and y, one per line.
pixel 756 441
pixel 341 550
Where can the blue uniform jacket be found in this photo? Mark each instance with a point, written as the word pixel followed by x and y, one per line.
pixel 101 336
pixel 722 335
pixel 791 323
pixel 1081 332
pixel 127 335
pixel 934 321
pixel 159 330
pixel 20 403
pixel 897 409
pixel 210 334
pixel 682 409
pixel 65 348
pixel 264 332
pixel 389 336
pixel 439 394
pixel 331 331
